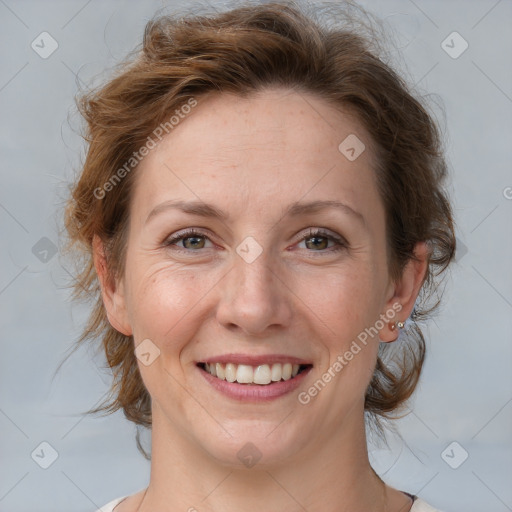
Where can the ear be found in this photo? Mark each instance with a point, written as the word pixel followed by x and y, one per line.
pixel 112 292
pixel 403 294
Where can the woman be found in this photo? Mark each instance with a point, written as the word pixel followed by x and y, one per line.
pixel 262 216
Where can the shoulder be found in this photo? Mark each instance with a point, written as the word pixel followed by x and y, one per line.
pixel 109 507
pixel 422 506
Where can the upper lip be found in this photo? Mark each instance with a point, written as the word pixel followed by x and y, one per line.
pixel 254 360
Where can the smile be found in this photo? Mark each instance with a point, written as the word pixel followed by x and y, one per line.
pixel 254 378
pixel 263 374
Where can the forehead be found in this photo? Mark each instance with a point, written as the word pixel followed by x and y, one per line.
pixel 256 153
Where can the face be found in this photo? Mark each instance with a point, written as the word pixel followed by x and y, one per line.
pixel 264 288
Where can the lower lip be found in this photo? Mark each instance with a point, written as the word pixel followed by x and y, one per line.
pixel 255 392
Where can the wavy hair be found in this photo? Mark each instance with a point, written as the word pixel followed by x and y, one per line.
pixel 334 52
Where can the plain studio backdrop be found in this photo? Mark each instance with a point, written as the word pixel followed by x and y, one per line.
pixel 456 447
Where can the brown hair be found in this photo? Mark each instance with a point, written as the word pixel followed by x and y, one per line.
pixel 244 50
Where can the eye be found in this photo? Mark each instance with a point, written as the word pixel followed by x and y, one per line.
pixel 191 239
pixel 320 239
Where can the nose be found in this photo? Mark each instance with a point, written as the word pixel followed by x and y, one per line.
pixel 254 297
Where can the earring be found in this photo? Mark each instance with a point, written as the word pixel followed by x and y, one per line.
pixel 394 325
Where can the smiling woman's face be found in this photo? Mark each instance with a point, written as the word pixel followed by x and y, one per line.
pixel 256 282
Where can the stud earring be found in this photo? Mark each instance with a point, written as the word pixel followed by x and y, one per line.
pixel 394 325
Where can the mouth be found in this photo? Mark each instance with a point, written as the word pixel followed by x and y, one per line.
pixel 254 379
pixel 259 375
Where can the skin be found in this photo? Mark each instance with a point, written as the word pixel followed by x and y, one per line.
pixel 252 157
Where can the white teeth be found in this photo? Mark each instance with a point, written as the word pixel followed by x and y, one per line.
pixel 277 372
pixel 246 374
pixel 262 374
pixel 230 372
pixel 219 370
pixel 287 371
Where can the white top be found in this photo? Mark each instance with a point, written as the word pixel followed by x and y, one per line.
pixel 418 506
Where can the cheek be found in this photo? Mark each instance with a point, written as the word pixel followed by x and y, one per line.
pixel 344 302
pixel 161 301
pixel 161 308
pixel 348 307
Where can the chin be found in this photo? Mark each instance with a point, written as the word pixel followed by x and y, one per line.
pixel 255 444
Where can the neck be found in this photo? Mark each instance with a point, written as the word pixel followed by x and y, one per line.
pixel 325 476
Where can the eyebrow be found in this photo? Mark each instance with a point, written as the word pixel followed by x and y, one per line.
pixel 202 209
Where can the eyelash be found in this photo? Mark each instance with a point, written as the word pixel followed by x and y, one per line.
pixel 313 232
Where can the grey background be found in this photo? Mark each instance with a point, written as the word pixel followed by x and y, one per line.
pixel 466 390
